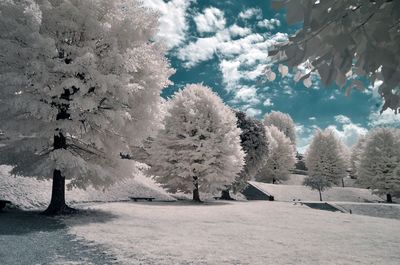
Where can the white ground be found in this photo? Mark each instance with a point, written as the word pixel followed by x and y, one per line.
pixel 28 193
pixel 238 233
pixel 291 192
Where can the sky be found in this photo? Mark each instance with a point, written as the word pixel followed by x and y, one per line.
pixel 224 45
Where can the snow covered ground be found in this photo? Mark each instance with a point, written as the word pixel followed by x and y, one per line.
pixel 291 192
pixel 255 232
pixel 29 193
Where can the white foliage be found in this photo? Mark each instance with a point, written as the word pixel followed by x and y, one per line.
pixel 283 122
pixel 380 161
pixel 281 157
pixel 325 160
pixel 200 140
pixel 86 70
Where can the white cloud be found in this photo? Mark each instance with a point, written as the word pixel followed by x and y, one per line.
pixel 236 30
pixel 269 23
pixel 246 94
pixel 251 12
pixel 230 73
pixel 342 119
pixel 350 133
pixel 268 103
pixel 173 23
pixel 253 112
pixel 388 118
pixel 312 118
pixel 211 20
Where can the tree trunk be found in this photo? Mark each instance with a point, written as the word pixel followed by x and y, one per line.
pixel 320 195
pixel 57 204
pixel 225 195
pixel 342 182
pixel 196 194
pixel 389 198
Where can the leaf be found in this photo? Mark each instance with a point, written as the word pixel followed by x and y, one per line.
pixel 307 82
pixel 270 75
pixel 283 69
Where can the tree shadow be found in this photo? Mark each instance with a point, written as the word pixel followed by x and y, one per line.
pixel 184 203
pixel 19 222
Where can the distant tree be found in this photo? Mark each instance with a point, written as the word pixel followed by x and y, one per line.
pixel 379 162
pixel 255 145
pixel 199 149
pixel 300 162
pixel 355 157
pixel 281 157
pixel 80 81
pixel 344 40
pixel 325 161
pixel 283 122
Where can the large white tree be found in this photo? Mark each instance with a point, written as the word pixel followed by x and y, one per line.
pixel 283 122
pixel 355 157
pixel 325 161
pixel 199 149
pixel 281 157
pixel 343 40
pixel 255 145
pixel 379 162
pixel 80 82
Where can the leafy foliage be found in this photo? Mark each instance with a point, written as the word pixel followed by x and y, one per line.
pixel 344 41
pixel 325 161
pixel 255 145
pixel 281 156
pixel 283 122
pixel 80 82
pixel 199 146
pixel 380 160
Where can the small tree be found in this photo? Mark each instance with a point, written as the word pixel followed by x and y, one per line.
pixel 255 145
pixel 281 157
pixel 199 149
pixel 355 157
pixel 325 161
pixel 80 82
pixel 283 122
pixel 379 160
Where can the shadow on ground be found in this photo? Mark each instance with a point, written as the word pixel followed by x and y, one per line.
pixel 27 237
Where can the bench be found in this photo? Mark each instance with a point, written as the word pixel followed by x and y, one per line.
pixel 149 199
pixel 3 204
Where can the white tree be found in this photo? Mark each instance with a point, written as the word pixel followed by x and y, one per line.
pixel 283 122
pixel 325 161
pixel 255 145
pixel 199 149
pixel 355 156
pixel 343 40
pixel 379 159
pixel 281 157
pixel 80 82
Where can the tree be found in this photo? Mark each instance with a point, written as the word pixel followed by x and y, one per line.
pixel 344 41
pixel 283 122
pixel 80 83
pixel 300 163
pixel 281 157
pixel 325 161
pixel 379 160
pixel 255 145
pixel 199 148
pixel 356 152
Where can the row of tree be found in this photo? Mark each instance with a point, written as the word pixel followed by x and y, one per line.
pixel 374 161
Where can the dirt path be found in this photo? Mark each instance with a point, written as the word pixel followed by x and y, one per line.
pixel 27 238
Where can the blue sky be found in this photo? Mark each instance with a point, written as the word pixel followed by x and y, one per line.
pixel 224 45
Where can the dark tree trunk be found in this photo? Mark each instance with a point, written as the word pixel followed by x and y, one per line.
pixel 389 198
pixel 196 194
pixel 320 195
pixel 57 204
pixel 342 182
pixel 225 195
